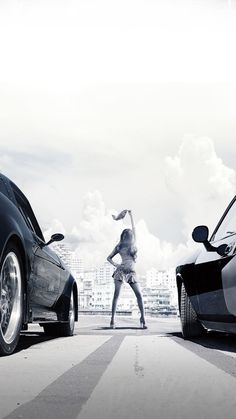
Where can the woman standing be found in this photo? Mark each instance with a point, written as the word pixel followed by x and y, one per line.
pixel 126 270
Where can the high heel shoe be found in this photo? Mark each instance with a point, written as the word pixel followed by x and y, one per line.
pixel 143 324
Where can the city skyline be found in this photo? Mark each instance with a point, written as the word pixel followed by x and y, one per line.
pixel 96 285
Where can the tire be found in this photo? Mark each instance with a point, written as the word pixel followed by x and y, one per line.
pixel 63 329
pixel 191 327
pixel 11 299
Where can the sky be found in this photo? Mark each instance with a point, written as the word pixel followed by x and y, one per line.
pixel 108 105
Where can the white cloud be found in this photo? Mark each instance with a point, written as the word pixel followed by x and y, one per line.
pixel 199 184
pixel 97 234
pixel 202 185
pixel 56 227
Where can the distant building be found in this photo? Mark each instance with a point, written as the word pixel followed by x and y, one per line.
pixel 104 273
pixel 102 295
pixel 142 280
pixel 152 278
pixel 103 288
pixel 74 264
pixel 86 289
pixel 99 284
pixel 127 300
pixel 156 298
pixel 163 279
pixel 96 288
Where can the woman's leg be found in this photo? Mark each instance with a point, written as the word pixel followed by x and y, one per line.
pixel 135 287
pixel 115 298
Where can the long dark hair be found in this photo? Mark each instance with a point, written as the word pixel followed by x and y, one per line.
pixel 127 240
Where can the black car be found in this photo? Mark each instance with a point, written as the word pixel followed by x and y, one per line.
pixel 206 280
pixel 35 285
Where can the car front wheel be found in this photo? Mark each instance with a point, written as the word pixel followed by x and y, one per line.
pixel 11 299
pixel 190 324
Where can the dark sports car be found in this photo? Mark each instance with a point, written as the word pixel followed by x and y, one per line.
pixel 35 285
pixel 206 280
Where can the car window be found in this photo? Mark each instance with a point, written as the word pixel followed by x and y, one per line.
pixel 27 218
pixel 23 209
pixel 227 226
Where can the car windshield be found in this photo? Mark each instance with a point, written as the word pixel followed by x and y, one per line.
pixel 227 226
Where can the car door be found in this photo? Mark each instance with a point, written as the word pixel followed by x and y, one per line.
pixel 214 274
pixel 46 275
pixel 44 281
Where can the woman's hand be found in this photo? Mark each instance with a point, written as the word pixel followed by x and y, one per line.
pixel 116 265
pixel 109 259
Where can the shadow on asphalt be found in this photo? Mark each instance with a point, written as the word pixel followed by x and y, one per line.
pixel 210 340
pixel 28 339
pixel 215 348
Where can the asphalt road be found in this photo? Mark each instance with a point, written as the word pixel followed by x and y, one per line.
pixel 124 373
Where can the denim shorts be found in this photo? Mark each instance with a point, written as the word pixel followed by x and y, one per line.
pixel 126 275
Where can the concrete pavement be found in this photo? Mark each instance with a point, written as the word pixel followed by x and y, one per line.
pixel 122 373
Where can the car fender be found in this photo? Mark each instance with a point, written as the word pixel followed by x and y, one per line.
pixel 62 305
pixel 184 274
pixel 12 228
pixel 12 224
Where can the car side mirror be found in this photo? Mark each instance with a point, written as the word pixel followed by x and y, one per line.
pixel 57 237
pixel 200 235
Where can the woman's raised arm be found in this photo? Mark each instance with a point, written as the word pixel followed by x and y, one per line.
pixel 132 223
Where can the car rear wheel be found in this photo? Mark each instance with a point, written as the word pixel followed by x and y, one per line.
pixel 190 324
pixel 66 328
pixel 11 299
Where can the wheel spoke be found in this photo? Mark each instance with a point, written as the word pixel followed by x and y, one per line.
pixel 10 297
pixel 72 312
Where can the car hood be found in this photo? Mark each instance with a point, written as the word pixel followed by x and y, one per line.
pixel 189 258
